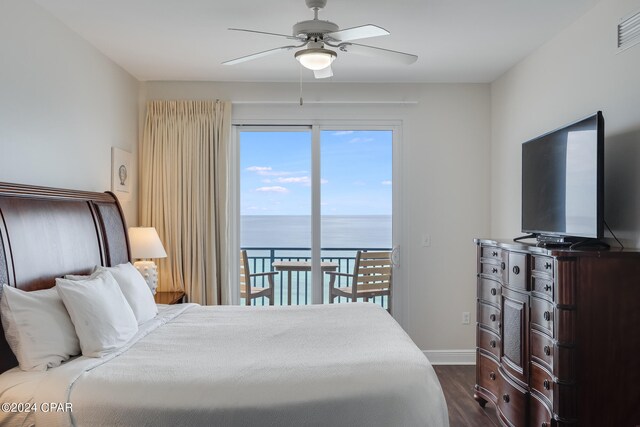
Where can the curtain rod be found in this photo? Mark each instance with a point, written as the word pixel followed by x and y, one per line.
pixel 296 102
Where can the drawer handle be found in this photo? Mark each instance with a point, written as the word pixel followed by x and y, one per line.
pixel 547 316
pixel 494 270
pixel 503 265
pixel 493 317
pixel 492 376
pixel 492 343
pixel 494 253
pixel 547 265
pixel 546 384
pixel 505 397
pixel 547 350
pixel 516 269
pixel 494 291
pixel 547 288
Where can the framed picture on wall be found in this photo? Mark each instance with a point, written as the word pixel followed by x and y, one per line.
pixel 121 173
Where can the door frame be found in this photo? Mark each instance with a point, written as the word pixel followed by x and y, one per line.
pixel 400 291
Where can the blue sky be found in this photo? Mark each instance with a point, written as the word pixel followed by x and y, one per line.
pixel 275 177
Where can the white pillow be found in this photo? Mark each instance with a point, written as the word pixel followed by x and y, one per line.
pixel 135 290
pixel 38 328
pixel 100 313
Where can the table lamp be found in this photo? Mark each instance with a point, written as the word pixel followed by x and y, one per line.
pixel 145 244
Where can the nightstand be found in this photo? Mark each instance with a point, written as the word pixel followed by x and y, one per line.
pixel 175 297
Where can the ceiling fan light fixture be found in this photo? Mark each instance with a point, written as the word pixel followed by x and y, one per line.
pixel 315 58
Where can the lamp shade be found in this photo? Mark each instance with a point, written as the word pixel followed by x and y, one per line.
pixel 145 243
pixel 315 58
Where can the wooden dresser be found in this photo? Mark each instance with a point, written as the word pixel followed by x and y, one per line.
pixel 558 335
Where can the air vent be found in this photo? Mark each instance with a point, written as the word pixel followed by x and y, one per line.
pixel 629 31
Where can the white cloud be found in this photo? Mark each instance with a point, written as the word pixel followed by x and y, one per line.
pixel 304 180
pixel 275 173
pixel 266 171
pixel 359 139
pixel 342 132
pixel 274 189
pixel 386 182
pixel 259 168
pixel 294 180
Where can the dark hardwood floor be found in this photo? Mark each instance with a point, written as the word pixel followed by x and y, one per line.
pixel 457 383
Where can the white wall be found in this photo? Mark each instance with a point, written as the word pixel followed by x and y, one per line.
pixel 63 105
pixel 445 184
pixel 573 75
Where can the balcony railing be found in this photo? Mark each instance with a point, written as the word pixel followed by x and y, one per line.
pixel 261 260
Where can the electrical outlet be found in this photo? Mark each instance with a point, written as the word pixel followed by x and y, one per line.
pixel 465 318
pixel 426 240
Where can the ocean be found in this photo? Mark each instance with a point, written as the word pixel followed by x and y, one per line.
pixel 293 231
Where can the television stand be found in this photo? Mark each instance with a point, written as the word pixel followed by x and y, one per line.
pixel 564 326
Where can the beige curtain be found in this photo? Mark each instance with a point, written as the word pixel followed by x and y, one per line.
pixel 183 194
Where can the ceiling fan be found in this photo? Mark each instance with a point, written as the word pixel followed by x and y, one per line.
pixel 315 35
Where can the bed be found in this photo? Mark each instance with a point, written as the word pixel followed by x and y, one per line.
pixel 195 365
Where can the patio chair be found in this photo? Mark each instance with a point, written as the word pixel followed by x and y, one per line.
pixel 247 280
pixel 371 277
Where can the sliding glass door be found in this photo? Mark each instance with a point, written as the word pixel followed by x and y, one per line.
pixel 310 198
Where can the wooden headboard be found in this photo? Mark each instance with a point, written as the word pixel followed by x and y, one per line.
pixel 47 232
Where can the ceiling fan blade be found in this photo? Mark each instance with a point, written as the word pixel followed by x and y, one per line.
pixel 264 32
pixel 355 33
pixel 258 55
pixel 324 73
pixel 378 52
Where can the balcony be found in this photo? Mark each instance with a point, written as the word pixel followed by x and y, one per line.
pixel 261 259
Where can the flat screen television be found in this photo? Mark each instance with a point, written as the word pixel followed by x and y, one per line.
pixel 563 182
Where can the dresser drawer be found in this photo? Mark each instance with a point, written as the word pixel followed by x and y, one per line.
pixel 542 349
pixel 487 373
pixel 489 341
pixel 542 286
pixel 489 291
pixel 489 317
pixel 543 265
pixel 541 381
pixel 517 271
pixel 491 269
pixel 539 413
pixel 542 315
pixel 512 402
pixel 491 252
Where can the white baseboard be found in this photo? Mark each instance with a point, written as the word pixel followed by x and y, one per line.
pixel 451 357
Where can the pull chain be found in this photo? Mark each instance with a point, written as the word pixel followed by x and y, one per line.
pixel 300 71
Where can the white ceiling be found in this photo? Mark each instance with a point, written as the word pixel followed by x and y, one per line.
pixel 456 40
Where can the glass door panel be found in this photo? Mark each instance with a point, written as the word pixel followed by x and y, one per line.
pixel 275 211
pixel 356 200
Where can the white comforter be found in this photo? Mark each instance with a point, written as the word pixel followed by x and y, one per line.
pixel 329 365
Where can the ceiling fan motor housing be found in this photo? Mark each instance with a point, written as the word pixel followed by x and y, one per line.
pixel 312 4
pixel 314 28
